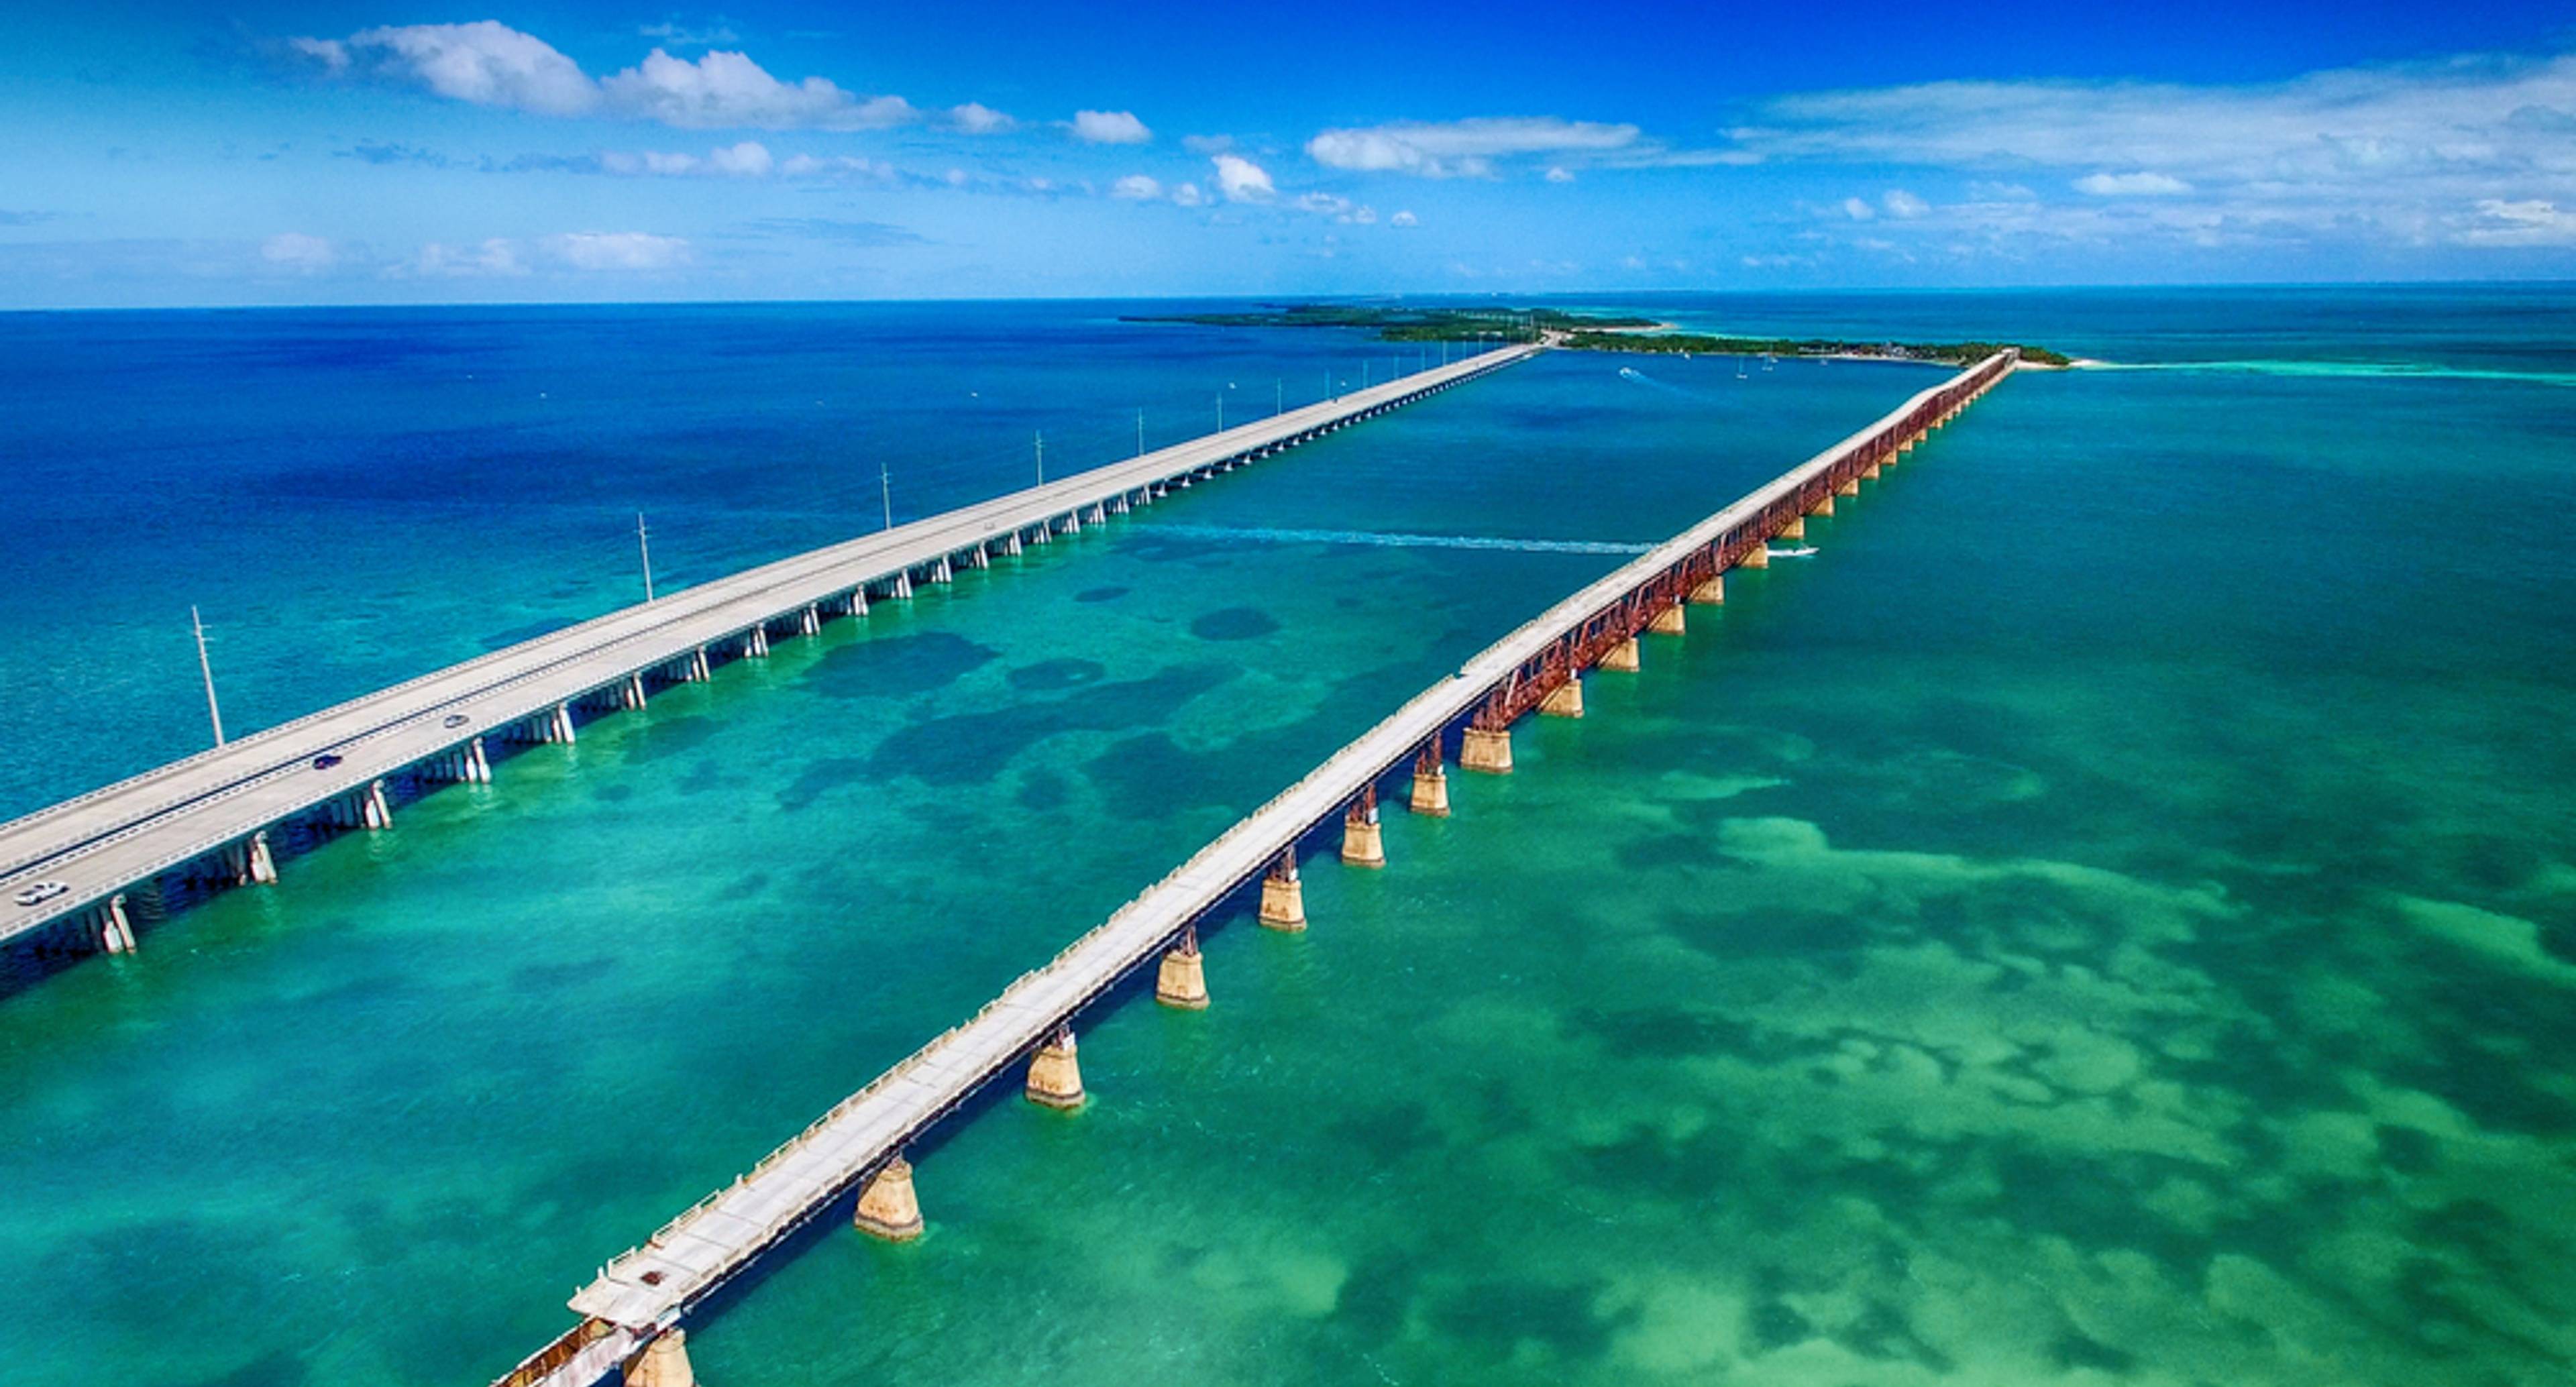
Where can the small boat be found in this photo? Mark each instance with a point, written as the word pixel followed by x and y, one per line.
pixel 1795 551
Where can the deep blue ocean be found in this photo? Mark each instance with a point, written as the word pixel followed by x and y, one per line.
pixel 2109 916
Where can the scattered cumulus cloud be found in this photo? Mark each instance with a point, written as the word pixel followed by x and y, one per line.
pixel 674 32
pixel 2144 183
pixel 294 250
pixel 1241 180
pixel 1858 210
pixel 1462 148
pixel 617 250
pixel 2533 222
pixel 1404 219
pixel 1136 187
pixel 1902 204
pixel 1109 127
pixel 487 63
pixel 976 118
pixel 497 257
pixel 1188 195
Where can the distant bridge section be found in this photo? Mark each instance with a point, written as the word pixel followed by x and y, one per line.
pixel 205 821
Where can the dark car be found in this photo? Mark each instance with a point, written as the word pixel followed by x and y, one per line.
pixel 325 761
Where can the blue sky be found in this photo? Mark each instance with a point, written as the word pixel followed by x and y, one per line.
pixel 356 153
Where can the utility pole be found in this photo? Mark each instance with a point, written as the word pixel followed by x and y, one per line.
pixel 213 713
pixel 643 547
pixel 885 483
pixel 1041 437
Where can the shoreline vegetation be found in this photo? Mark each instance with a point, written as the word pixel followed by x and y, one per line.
pixel 1593 332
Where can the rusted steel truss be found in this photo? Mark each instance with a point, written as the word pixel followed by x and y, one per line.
pixel 1589 639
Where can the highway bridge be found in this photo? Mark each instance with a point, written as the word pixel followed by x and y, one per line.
pixel 76 875
pixel 632 1312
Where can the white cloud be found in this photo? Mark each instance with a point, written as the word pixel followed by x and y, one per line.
pixel 1136 187
pixel 834 165
pixel 301 253
pixel 1404 219
pixel 2533 222
pixel 1242 180
pixel 1188 195
pixel 617 250
pixel 1858 210
pixel 1559 173
pixel 488 63
pixel 2144 183
pixel 672 31
pixel 725 89
pixel 497 257
pixel 1462 148
pixel 1900 203
pixel 976 118
pixel 1110 127
pixel 748 159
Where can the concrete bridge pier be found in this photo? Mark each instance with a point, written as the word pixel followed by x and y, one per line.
pixel 1283 897
pixel 663 1363
pixel 1850 486
pixel 1565 700
pixel 981 556
pixel 1430 783
pixel 375 809
pixel 1099 516
pixel 1487 749
pixel 1671 621
pixel 1118 506
pixel 1711 591
pixel 1363 837
pixel 1870 473
pixel 559 727
pixel 631 693
pixel 1623 657
pixel 1759 556
pixel 755 643
pixel 1824 506
pixel 888 1208
pixel 940 571
pixel 903 585
pixel 115 932
pixel 810 622
pixel 859 601
pixel 1182 981
pixel 1011 546
pixel 258 864
pixel 1795 529
pixel 1055 1074
pixel 1044 534
pixel 698 671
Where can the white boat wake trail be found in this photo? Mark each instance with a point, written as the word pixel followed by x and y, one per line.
pixel 1402 541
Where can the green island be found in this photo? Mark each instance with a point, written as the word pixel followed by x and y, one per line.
pixel 1589 332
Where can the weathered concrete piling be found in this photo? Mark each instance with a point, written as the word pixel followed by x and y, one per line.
pixel 663 1363
pixel 1430 783
pixel 1182 980
pixel 1565 700
pixel 1055 1073
pixel 1487 749
pixel 1283 899
pixel 1363 838
pixel 888 1208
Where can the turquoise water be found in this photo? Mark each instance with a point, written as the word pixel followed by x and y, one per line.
pixel 2109 916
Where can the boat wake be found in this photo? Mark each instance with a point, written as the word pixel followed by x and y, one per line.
pixel 1400 541
pixel 2340 370
pixel 1795 551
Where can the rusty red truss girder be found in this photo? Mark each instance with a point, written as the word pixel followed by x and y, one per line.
pixel 1586 641
pixel 1363 808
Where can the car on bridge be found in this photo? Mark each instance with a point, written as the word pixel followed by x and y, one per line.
pixel 454 720
pixel 40 892
pixel 325 761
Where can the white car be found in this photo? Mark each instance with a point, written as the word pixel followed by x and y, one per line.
pixel 39 893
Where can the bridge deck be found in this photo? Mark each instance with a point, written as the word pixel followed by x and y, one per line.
pixel 107 840
pixel 653 1284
